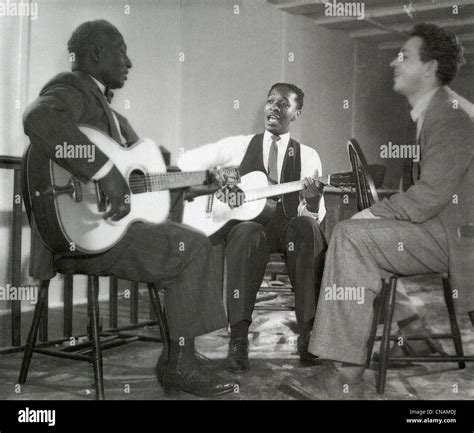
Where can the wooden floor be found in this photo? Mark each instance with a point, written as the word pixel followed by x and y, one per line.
pixel 275 373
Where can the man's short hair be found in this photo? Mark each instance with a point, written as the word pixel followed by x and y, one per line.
pixel 443 46
pixel 299 93
pixel 88 34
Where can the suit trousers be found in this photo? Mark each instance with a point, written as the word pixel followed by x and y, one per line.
pixel 174 255
pixel 247 249
pixel 360 253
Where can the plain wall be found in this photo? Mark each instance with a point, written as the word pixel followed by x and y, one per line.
pixel 229 58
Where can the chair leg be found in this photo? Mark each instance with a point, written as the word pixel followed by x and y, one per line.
pixel 94 335
pixel 31 340
pixel 373 331
pixel 43 329
pixel 456 334
pixel 388 305
pixel 162 324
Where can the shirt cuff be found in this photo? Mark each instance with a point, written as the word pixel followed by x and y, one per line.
pixel 305 212
pixel 103 171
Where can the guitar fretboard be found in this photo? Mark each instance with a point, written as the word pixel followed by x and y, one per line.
pixel 151 182
pixel 279 189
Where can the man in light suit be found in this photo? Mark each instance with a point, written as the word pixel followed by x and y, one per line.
pixel 147 252
pixel 412 232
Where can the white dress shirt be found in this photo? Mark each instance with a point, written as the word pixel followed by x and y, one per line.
pixel 230 152
pixel 104 170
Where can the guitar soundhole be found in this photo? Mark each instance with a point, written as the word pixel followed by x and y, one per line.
pixel 137 182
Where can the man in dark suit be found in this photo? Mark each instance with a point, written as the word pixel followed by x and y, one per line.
pixel 147 252
pixel 293 229
pixel 412 232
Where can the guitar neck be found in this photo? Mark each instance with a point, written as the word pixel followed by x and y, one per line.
pixel 164 181
pixel 280 189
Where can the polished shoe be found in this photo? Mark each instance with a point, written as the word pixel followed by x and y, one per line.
pixel 238 357
pixel 187 377
pixel 205 364
pixel 340 383
pixel 302 347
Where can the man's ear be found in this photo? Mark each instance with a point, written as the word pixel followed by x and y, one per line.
pixel 95 53
pixel 296 115
pixel 432 67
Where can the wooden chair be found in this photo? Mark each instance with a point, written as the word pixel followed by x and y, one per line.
pixel 384 304
pixel 90 351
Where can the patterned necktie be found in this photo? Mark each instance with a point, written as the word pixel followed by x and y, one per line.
pixel 273 159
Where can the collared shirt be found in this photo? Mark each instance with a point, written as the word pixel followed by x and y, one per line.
pixel 230 152
pixel 104 170
pixel 282 145
pixel 419 110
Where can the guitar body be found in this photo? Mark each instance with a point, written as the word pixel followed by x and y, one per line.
pixel 221 218
pixel 73 221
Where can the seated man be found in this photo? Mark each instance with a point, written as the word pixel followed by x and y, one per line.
pixel 147 252
pixel 412 232
pixel 293 229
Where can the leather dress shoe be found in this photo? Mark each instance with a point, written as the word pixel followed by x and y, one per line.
pixel 187 377
pixel 302 346
pixel 205 364
pixel 238 357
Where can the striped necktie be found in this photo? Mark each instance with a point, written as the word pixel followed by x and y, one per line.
pixel 273 159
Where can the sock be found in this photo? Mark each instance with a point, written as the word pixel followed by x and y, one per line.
pixel 181 350
pixel 240 329
pixel 305 327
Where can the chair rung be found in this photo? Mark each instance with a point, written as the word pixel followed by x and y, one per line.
pixel 134 326
pixel 62 354
pixel 418 337
pixel 450 358
pixel 274 308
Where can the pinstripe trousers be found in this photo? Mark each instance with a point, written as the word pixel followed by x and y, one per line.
pixel 360 253
pixel 178 257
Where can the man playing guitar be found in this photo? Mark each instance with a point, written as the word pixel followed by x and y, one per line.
pixel 293 229
pixel 167 252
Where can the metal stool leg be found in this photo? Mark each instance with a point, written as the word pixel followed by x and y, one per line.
pixel 31 340
pixel 388 305
pixel 448 297
pixel 373 331
pixel 162 324
pixel 93 312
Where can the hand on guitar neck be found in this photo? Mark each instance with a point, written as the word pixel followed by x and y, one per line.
pixel 312 193
pixel 116 190
pixel 216 179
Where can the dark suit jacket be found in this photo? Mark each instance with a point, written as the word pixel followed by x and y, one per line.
pixel 444 189
pixel 69 99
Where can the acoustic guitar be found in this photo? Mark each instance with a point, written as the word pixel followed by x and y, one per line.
pixel 68 213
pixel 215 214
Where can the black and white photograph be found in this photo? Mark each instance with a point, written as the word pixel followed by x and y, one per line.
pixel 236 215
